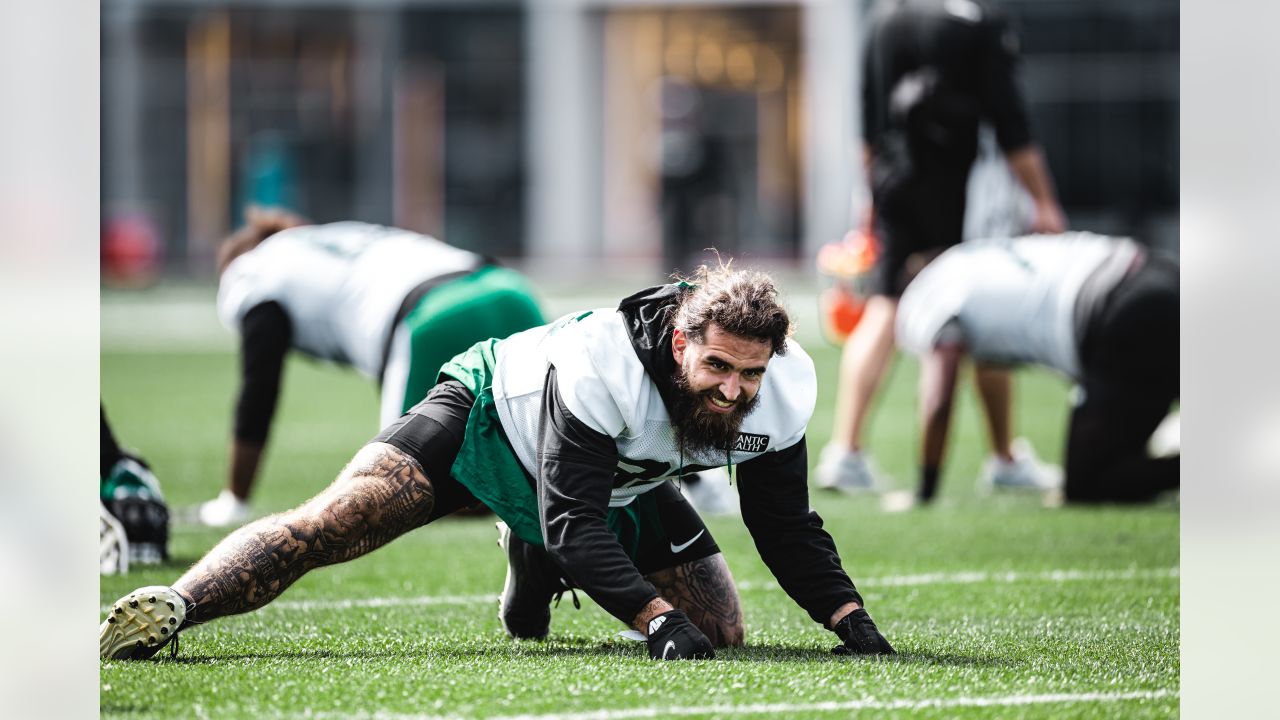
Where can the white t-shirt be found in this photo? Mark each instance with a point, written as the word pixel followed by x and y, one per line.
pixel 1010 301
pixel 341 285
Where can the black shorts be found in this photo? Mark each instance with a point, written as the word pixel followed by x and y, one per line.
pixel 432 433
pixel 926 219
pixel 658 530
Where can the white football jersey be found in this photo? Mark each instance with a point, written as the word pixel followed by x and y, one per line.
pixel 1012 301
pixel 341 285
pixel 605 386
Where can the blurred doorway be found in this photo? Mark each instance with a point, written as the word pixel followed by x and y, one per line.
pixel 700 134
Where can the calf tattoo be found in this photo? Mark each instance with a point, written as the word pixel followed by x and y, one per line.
pixel 704 590
pixel 382 494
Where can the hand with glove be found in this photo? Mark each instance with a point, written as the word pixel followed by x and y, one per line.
pixel 860 636
pixel 672 636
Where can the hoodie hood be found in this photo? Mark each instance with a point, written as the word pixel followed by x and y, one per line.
pixel 649 317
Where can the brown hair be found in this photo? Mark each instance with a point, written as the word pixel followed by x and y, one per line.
pixel 741 302
pixel 260 224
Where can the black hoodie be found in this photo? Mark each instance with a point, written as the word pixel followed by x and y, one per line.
pixel 773 488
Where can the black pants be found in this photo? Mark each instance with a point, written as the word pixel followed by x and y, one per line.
pixel 1130 359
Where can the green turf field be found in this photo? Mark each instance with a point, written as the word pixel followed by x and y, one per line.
pixel 998 608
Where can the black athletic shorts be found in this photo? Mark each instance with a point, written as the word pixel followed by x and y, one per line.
pixel 431 433
pixel 927 219
pixel 658 530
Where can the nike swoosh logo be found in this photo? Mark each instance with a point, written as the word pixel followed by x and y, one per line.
pixel 677 548
pixel 671 645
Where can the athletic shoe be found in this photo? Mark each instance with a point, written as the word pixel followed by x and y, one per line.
pixel 140 623
pixel 532 581
pixel 113 544
pixel 896 501
pixel 850 471
pixel 225 510
pixel 710 492
pixel 1023 472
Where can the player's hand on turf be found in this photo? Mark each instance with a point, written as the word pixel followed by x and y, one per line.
pixel 860 636
pixel 672 636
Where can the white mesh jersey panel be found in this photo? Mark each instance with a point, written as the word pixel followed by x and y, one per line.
pixel 340 284
pixel 603 383
pixel 1014 301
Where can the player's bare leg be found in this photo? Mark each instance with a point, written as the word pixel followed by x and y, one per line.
pixel 995 389
pixel 705 591
pixel 863 363
pixel 867 353
pixel 380 495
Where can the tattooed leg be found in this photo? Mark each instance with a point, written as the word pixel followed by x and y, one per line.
pixel 704 589
pixel 379 496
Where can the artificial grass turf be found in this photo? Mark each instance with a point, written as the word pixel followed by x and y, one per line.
pixel 418 633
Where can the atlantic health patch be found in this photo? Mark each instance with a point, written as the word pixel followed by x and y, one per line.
pixel 751 443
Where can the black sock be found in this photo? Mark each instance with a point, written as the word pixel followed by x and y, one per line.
pixel 928 484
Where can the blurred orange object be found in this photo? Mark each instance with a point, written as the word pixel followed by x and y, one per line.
pixel 840 312
pixel 845 267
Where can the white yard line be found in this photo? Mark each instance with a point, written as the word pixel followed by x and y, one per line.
pixel 956 578
pixel 969 577
pixel 792 708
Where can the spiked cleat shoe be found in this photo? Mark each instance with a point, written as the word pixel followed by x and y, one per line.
pixel 141 623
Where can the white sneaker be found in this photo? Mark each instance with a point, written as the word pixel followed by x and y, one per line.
pixel 850 471
pixel 223 511
pixel 1166 441
pixel 711 492
pixel 140 623
pixel 113 544
pixel 1023 472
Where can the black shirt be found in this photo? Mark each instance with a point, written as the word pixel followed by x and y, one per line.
pixel 934 69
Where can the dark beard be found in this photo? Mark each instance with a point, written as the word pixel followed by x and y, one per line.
pixel 700 429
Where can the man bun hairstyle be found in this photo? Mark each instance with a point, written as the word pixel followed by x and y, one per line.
pixel 741 302
pixel 260 223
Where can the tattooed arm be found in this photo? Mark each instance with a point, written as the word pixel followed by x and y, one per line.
pixel 382 494
pixel 704 590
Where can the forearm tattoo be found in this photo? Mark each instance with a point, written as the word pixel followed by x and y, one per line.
pixel 704 589
pixel 379 496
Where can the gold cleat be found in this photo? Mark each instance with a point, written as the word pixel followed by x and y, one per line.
pixel 141 623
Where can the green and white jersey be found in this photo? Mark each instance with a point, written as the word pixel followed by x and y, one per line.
pixel 341 285
pixel 570 426
pixel 605 386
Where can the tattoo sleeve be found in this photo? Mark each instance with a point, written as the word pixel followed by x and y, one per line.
pixel 704 589
pixel 382 494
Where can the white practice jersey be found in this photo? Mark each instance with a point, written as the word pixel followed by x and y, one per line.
pixel 1011 301
pixel 341 285
pixel 604 385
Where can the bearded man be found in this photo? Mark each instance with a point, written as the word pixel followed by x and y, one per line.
pixel 573 433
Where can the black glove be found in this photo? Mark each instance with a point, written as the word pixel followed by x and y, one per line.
pixel 673 637
pixel 860 636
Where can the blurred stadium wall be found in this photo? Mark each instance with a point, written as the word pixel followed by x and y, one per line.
pixel 567 136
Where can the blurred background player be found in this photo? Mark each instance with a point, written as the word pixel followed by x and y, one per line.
pixel 933 70
pixel 134 526
pixel 1103 311
pixel 393 304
